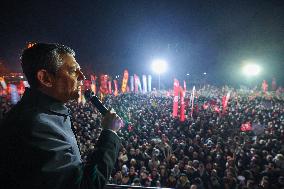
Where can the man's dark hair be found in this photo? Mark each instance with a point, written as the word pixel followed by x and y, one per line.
pixel 43 56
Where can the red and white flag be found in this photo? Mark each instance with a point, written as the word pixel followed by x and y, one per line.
pixel 192 100
pixel 225 101
pixel 182 104
pixel 246 126
pixel 175 102
pixel 264 86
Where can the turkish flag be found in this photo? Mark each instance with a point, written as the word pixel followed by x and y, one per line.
pixel 246 126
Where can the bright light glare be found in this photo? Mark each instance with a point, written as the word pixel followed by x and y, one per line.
pixel 159 66
pixel 251 69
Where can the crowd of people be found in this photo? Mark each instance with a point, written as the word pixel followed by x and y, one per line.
pixel 206 151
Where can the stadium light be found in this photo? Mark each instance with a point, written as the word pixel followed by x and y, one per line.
pixel 251 70
pixel 159 66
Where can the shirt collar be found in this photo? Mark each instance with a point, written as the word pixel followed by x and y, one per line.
pixel 44 101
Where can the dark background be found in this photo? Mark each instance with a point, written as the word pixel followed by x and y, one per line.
pixel 194 37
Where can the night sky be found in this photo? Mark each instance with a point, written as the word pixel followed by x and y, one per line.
pixel 193 36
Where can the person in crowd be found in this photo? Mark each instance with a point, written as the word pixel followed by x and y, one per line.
pixel 208 146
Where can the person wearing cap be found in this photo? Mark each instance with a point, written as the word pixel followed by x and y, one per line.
pixel 39 147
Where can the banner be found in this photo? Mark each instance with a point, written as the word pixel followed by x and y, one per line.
pixel 144 79
pixel 103 84
pixel 109 87
pixel 175 102
pixel 93 83
pixel 264 86
pixel 192 100
pixel 184 85
pixel 115 88
pixel 139 84
pixel 149 83
pixel 182 117
pixel 14 94
pixel 135 83
pixel 131 83
pixel 124 81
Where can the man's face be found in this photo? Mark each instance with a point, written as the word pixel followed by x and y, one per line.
pixel 68 79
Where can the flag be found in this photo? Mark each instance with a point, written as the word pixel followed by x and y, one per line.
pixel 264 86
pixel 144 79
pixel 135 83
pixel 124 81
pixel 175 102
pixel 184 85
pixel 93 83
pixel 109 87
pixel 246 127
pixel 225 101
pixel 103 84
pixel 181 104
pixel 205 105
pixel 87 84
pixel 192 100
pixel 115 88
pixel 149 83
pixel 21 88
pixel 131 83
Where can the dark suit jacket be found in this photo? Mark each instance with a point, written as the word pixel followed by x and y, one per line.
pixel 39 149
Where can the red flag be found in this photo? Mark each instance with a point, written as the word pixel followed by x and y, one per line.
pixel 87 84
pixel 135 83
pixel 264 86
pixel 103 85
pixel 205 106
pixel 109 87
pixel 192 100
pixel 225 100
pixel 216 109
pixel 181 104
pixel 93 83
pixel 21 88
pixel 175 103
pixel 246 126
pixel 115 88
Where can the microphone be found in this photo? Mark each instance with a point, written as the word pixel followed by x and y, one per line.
pixel 89 95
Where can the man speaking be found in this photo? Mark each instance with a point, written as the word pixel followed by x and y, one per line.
pixel 39 149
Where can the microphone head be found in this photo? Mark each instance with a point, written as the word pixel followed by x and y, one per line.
pixel 88 94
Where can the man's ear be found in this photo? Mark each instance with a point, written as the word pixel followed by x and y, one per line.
pixel 44 78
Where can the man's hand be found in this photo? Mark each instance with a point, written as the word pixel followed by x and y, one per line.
pixel 112 121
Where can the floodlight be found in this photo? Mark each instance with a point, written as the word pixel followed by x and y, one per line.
pixel 159 66
pixel 251 70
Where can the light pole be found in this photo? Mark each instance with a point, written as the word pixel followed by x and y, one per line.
pixel 159 66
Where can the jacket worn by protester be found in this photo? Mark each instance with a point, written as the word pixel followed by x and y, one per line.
pixel 39 149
